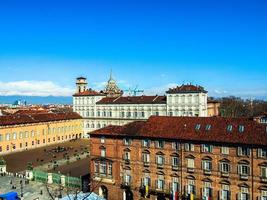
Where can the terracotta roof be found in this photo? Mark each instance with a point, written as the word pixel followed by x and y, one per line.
pixel 37 118
pixel 89 92
pixel 186 89
pixel 134 100
pixel 184 128
pixel 29 111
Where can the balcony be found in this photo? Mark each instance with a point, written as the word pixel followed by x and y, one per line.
pixel 175 167
pixel 243 176
pixel 207 172
pixel 190 170
pixel 127 161
pixel 264 179
pixel 160 166
pixel 125 185
pixel 146 164
pixel 225 174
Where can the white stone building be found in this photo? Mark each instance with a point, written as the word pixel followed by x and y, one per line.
pixel 102 108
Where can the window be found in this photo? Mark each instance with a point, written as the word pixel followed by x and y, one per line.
pixel 110 169
pixel 160 182
pixel 208 127
pixel 146 180
pixel 146 143
pixel 135 114
pixel 175 161
pixel 190 163
pixel 175 184
pixel 243 194
pixel 122 114
pixel 243 169
pixel 175 145
pixel 197 127
pixel 160 159
pixel 102 140
pixel 241 128
pixel 146 157
pixel 160 144
pixel 142 114
pixel 188 147
pixel 7 137
pixel 103 152
pixel 127 179
pixel 127 155
pixel 207 190
pixel 243 151
pixel 1 137
pixel 229 128
pixel 191 187
pixel 103 169
pixel 129 114
pixel 206 148
pixel 225 192
pixel 127 141
pixel 264 172
pixel 14 136
pixel 225 150
pixel 263 195
pixel 224 167
pixel 262 152
pixel 206 165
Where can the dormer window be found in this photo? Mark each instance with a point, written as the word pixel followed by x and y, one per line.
pixel 229 128
pixel 241 128
pixel 208 127
pixel 198 126
pixel 127 141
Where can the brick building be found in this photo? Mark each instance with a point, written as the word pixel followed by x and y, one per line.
pixel 193 158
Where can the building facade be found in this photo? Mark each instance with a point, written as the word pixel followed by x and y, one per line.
pixel 109 107
pixel 185 157
pixel 22 132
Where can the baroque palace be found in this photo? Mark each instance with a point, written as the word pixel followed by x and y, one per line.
pixel 25 131
pixel 181 158
pixel 102 108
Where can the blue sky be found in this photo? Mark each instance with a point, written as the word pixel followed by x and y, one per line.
pixel 221 45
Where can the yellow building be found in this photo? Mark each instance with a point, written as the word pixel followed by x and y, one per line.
pixel 22 132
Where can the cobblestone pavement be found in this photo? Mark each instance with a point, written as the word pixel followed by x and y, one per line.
pixel 31 191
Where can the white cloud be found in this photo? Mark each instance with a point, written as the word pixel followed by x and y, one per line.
pixel 34 88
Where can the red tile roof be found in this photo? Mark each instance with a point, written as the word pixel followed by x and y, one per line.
pixel 186 89
pixel 89 92
pixel 134 100
pixel 184 128
pixel 37 118
pixel 29 111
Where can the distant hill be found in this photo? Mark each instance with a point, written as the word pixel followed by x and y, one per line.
pixel 36 99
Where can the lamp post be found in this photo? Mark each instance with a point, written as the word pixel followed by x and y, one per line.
pixel 21 188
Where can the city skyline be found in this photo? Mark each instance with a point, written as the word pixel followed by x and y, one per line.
pixel 45 46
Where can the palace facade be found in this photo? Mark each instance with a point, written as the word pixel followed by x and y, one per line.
pixel 109 107
pixel 22 132
pixel 185 157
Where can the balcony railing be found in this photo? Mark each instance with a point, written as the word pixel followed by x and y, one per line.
pixel 160 166
pixel 190 170
pixel 127 161
pixel 243 176
pixel 175 167
pixel 146 164
pixel 264 179
pixel 207 172
pixel 225 174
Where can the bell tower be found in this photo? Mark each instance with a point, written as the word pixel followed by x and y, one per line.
pixel 81 84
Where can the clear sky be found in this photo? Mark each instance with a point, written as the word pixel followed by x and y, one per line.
pixel 221 45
